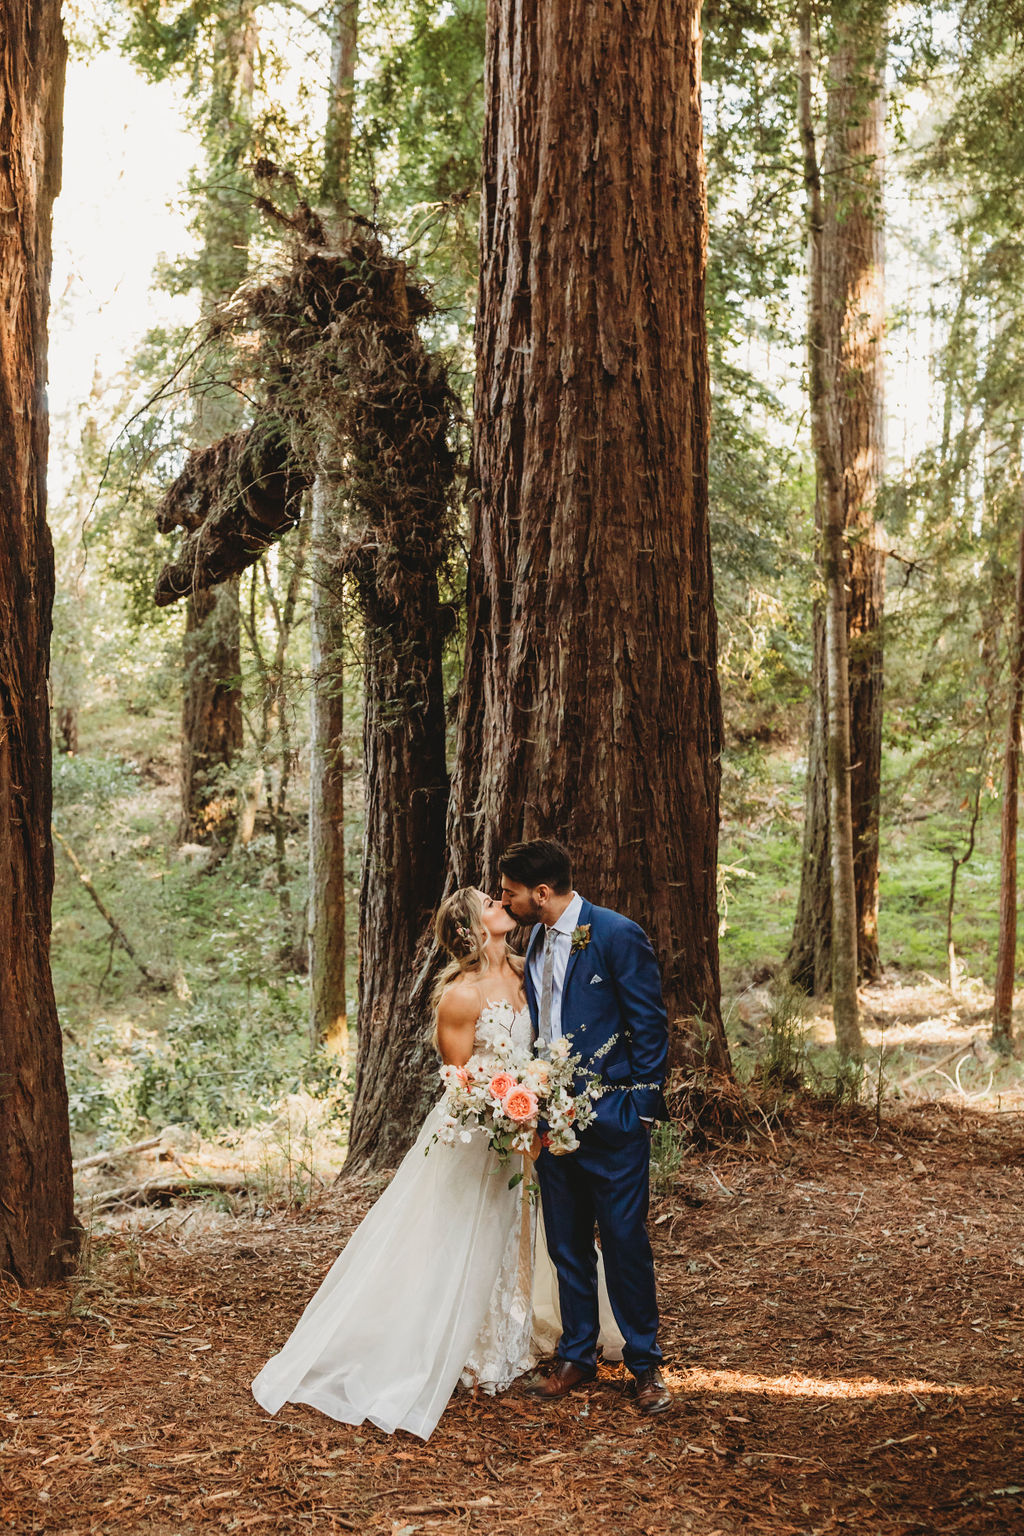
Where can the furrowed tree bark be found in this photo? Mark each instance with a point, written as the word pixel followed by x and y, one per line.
pixel 37 1225
pixel 1006 954
pixel 211 707
pixel 852 259
pixel 590 708
pixel 826 438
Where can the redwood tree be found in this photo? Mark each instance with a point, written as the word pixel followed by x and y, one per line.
pixel 590 708
pixel 36 1210
pixel 853 318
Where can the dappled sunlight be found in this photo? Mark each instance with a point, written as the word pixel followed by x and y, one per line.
pixel 794 1384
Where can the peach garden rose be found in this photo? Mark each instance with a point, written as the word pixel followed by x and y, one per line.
pixel 520 1105
pixel 501 1085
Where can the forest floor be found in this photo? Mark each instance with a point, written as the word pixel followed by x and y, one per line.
pixel 843 1323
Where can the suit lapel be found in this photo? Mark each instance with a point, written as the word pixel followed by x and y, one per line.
pixel 584 917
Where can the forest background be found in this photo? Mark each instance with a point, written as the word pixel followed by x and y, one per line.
pixel 218 912
pixel 371 482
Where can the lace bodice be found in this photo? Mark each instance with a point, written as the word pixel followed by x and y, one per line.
pixel 500 1021
pixel 501 1350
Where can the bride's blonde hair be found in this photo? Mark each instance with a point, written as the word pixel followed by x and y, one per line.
pixel 459 929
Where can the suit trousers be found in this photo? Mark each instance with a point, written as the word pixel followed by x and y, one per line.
pixel 603 1184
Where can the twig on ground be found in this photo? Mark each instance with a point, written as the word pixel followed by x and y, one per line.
pixel 108 1157
pixel 172 1184
pixel 159 983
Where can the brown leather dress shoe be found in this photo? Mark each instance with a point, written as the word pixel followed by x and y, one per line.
pixel 562 1379
pixel 652 1395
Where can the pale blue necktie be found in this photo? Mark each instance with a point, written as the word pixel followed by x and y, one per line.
pixel 547 981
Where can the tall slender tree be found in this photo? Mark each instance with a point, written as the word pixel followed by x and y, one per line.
pixel 590 707
pixel 36 1210
pixel 852 359
pixel 1006 954
pixel 327 898
pixel 211 706
pixel 834 717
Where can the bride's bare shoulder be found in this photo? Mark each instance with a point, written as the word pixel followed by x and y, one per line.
pixel 460 1003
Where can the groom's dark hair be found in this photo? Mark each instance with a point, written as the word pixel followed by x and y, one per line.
pixel 541 861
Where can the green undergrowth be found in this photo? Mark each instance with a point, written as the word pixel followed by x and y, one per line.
pixel 219 1036
pixel 218 1039
pixel 760 853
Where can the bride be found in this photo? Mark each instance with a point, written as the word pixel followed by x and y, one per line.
pixel 437 1283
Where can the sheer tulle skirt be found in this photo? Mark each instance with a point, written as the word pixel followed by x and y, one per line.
pixel 447 1277
pixel 395 1322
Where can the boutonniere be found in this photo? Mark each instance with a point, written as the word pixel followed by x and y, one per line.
pixel 579 939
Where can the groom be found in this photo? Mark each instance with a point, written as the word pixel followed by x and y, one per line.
pixel 592 977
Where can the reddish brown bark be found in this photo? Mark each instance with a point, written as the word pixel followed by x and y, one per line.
pixel 591 708
pixel 853 300
pixel 36 1212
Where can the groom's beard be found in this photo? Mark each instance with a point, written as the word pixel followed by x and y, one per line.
pixel 524 922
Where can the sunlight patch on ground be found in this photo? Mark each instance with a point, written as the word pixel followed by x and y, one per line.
pixel 796 1385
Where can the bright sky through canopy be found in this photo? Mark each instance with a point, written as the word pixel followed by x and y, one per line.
pixel 127 156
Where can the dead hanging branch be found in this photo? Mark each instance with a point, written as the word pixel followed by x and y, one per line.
pixel 233 500
pixel 350 392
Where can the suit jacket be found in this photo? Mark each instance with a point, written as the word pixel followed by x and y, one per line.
pixel 612 992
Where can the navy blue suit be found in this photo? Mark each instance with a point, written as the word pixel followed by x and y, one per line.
pixel 611 992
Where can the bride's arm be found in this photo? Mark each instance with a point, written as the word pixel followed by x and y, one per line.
pixel 457 1013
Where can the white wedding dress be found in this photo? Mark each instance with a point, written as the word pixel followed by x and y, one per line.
pixel 434 1286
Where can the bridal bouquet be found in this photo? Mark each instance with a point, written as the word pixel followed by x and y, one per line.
pixel 505 1091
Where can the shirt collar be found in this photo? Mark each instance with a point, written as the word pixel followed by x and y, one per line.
pixel 571 916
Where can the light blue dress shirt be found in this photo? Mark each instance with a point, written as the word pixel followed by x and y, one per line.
pixel 563 943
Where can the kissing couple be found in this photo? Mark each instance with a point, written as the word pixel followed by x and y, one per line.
pixel 450 1277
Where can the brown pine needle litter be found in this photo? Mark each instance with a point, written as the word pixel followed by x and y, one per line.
pixel 843 1325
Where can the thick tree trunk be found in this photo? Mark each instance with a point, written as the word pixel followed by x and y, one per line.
pixel 591 705
pixel 828 462
pixel 211 712
pixel 37 1228
pixel 852 256
pixel 1006 956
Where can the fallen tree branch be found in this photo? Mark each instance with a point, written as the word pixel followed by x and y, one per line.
pixel 159 983
pixel 108 1157
pixel 233 500
pixel 153 1191
pixel 935 1066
